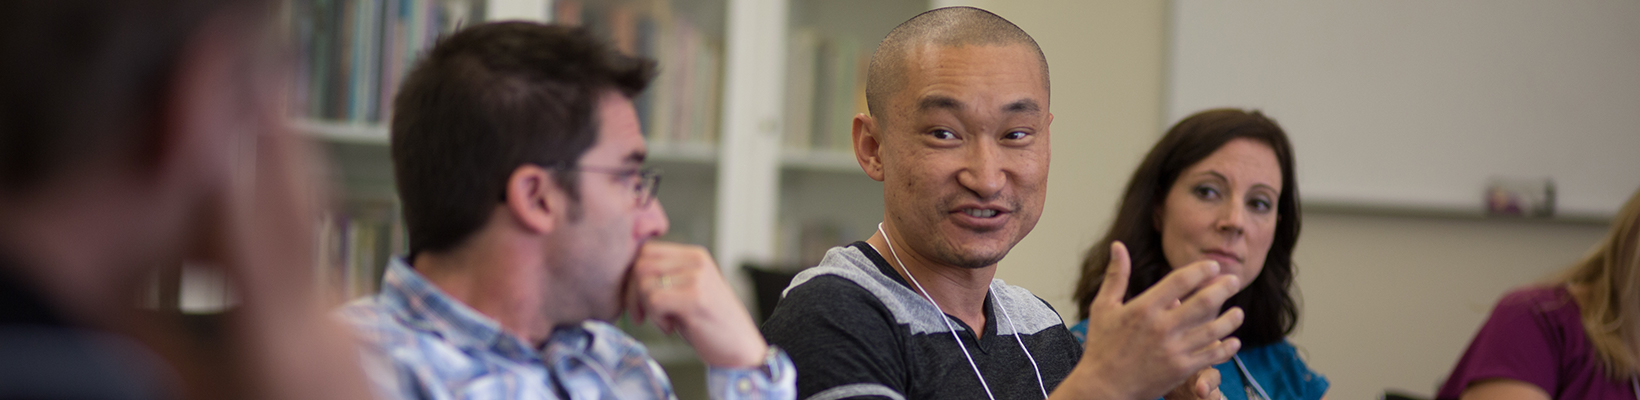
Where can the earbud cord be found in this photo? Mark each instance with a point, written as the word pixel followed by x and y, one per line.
pixel 1249 376
pixel 1039 384
pixel 964 347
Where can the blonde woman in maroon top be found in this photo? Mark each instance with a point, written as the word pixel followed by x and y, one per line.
pixel 1572 337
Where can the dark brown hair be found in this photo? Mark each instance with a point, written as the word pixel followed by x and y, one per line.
pixel 1268 301
pixel 487 100
pixel 82 80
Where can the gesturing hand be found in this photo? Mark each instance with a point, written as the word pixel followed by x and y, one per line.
pixel 1204 385
pixel 679 288
pixel 1141 349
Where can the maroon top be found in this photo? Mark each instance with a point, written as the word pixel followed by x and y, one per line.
pixel 1535 335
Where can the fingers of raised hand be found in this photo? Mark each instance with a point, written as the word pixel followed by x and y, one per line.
pixel 1114 288
pixel 1201 385
pixel 657 258
pixel 1205 303
pixel 1204 336
pixel 655 268
pixel 1178 283
pixel 1206 382
pixel 676 285
pixel 1216 352
pixel 1191 348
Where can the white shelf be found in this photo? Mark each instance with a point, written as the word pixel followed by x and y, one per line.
pixel 684 152
pixel 342 132
pixel 838 161
pixel 362 133
pixel 1475 213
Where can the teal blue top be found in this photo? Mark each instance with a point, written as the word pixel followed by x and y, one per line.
pixel 1275 366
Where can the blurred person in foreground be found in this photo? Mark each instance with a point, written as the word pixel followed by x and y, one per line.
pixel 958 133
pixel 1219 186
pixel 519 162
pixel 1573 336
pixel 121 129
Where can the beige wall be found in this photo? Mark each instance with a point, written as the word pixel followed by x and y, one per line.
pixel 1106 63
pixel 1389 302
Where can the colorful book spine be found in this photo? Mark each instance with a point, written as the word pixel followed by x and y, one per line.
pixel 351 55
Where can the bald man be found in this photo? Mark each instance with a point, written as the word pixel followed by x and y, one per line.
pixel 958 134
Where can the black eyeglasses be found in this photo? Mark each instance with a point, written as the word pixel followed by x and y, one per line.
pixel 646 181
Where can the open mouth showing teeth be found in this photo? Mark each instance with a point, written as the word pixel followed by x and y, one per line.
pixel 980 213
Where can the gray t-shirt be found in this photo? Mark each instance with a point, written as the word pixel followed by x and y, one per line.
pixel 856 329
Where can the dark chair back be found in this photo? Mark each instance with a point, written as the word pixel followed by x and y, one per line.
pixel 768 283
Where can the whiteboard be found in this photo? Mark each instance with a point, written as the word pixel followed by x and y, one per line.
pixel 1418 104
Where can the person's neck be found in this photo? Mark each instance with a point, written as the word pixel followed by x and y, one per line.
pixel 498 276
pixel 959 291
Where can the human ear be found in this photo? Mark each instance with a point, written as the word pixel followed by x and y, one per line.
pixel 868 146
pixel 533 198
pixel 1047 128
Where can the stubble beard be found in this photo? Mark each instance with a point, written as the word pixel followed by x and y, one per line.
pixel 954 254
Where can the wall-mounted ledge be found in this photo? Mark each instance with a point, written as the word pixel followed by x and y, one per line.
pixel 1449 213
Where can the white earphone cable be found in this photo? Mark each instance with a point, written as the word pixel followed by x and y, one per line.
pixel 1039 384
pixel 953 328
pixel 1246 374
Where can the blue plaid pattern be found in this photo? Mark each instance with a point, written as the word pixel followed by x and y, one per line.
pixel 421 344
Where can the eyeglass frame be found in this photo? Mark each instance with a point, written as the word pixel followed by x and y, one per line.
pixel 647 189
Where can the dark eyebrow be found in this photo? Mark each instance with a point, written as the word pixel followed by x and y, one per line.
pixel 938 102
pixel 1222 178
pixel 1022 106
pixel 1215 174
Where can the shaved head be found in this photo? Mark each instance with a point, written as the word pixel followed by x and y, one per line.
pixel 947 27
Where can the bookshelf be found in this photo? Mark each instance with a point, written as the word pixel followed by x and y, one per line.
pixel 349 57
pixel 749 118
pixel 824 199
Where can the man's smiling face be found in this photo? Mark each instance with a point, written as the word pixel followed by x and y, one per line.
pixel 965 152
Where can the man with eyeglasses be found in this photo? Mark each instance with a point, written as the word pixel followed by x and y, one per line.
pixel 518 158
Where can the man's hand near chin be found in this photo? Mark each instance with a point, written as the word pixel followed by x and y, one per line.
pixel 1143 348
pixel 680 289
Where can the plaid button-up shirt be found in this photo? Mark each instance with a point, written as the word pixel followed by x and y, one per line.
pixel 421 344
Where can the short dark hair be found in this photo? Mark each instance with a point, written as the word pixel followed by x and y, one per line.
pixel 84 78
pixel 948 26
pixel 491 98
pixel 1268 301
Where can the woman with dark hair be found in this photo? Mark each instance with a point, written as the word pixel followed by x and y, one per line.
pixel 1219 186
pixel 1572 336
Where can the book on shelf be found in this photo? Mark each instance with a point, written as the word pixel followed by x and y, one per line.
pixel 825 88
pixel 800 95
pixel 355 244
pixel 682 104
pixel 350 55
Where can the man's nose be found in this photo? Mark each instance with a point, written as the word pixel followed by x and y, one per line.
pixel 651 221
pixel 983 172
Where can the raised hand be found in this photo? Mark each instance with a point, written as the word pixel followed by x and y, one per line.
pixel 1143 348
